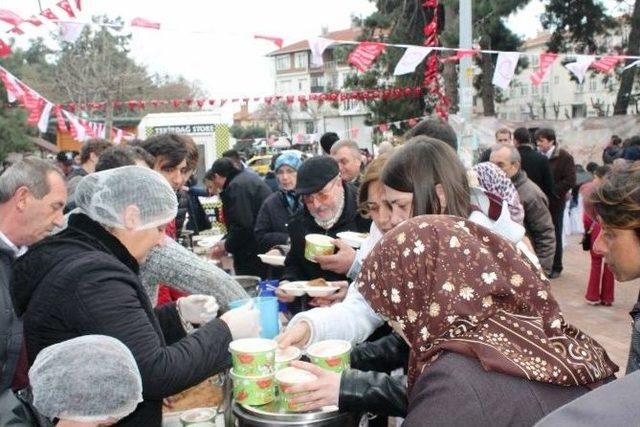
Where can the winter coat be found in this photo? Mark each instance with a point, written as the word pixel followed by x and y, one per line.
pixel 537 167
pixel 242 197
pixel 537 219
pixel 611 153
pixel 83 281
pixel 457 391
pixel 564 178
pixel 367 387
pixel 297 267
pixel 10 325
pixel 273 218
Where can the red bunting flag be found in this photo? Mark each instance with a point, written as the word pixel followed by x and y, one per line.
pixel 145 23
pixel 64 5
pixel 10 17
pixel 546 60
pixel 461 53
pixel 48 13
pixel 606 63
pixel 16 30
pixel 78 5
pixel 35 108
pixel 34 21
pixel 364 54
pixel 275 40
pixel 62 125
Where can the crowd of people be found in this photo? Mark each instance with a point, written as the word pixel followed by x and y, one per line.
pixel 447 301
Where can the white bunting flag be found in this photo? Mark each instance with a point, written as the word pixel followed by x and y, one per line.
pixel 70 31
pixel 505 69
pixel 633 64
pixel 579 68
pixel 77 130
pixel 413 56
pixel 43 123
pixel 318 46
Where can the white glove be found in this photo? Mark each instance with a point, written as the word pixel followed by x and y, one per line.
pixel 243 321
pixel 197 309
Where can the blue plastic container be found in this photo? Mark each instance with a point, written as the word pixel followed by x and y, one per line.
pixel 268 308
pixel 267 288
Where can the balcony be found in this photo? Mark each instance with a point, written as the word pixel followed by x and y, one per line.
pixel 317 89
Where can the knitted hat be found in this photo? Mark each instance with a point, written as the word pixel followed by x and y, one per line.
pixel 290 159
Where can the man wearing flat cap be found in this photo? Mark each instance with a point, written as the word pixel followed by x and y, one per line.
pixel 330 207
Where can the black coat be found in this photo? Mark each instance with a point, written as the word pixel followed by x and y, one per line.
pixel 273 218
pixel 83 281
pixel 537 167
pixel 242 197
pixel 564 179
pixel 297 267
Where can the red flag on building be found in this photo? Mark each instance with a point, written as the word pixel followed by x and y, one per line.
pixel 546 60
pixel 275 40
pixel 48 13
pixel 606 63
pixel 10 17
pixel 364 54
pixel 66 6
pixel 145 23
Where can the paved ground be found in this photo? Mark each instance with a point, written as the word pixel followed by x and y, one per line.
pixel 611 326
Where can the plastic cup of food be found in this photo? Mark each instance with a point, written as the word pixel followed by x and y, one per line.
pixel 332 355
pixel 284 356
pixel 317 244
pixel 197 415
pixel 253 390
pixel 288 377
pixel 253 356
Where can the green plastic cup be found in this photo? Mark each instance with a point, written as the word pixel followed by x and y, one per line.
pixel 253 390
pixel 253 356
pixel 288 377
pixel 285 356
pixel 332 355
pixel 317 244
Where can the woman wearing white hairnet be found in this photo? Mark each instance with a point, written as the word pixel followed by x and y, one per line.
pixel 99 368
pixel 84 281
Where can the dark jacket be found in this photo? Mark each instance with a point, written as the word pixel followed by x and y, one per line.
pixel 242 197
pixel 537 219
pixel 84 281
pixel 297 267
pixel 10 325
pixel 367 387
pixel 537 167
pixel 456 391
pixel 564 178
pixel 273 218
pixel 611 153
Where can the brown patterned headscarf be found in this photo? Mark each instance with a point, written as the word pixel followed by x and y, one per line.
pixel 453 285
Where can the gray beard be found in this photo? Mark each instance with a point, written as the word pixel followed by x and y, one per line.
pixel 327 224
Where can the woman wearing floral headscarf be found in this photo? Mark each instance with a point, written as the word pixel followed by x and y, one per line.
pixel 492 179
pixel 488 343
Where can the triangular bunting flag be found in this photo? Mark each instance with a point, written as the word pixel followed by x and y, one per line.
pixel 64 5
pixel 275 40
pixel 71 31
pixel 606 63
pixel 364 54
pixel 10 17
pixel 505 69
pixel 145 23
pixel 5 49
pixel 412 57
pixel 62 125
pixel 34 21
pixel 579 68
pixel 546 59
pixel 48 13
pixel 43 123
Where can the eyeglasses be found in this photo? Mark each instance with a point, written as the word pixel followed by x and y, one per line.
pixel 321 196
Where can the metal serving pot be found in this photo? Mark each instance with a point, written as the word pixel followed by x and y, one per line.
pixel 247 416
pixel 248 283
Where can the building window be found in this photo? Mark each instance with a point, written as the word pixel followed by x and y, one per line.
pixel 317 84
pixel 283 62
pixel 301 60
pixel 309 128
pixel 556 80
pixel 593 84
pixel 545 88
pixel 535 62
pixel 302 83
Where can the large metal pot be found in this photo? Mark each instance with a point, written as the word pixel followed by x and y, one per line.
pixel 266 416
pixel 249 283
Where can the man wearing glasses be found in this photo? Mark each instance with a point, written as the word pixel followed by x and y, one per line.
pixel 330 207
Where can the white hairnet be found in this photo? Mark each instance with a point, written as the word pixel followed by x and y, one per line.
pixel 86 379
pixel 105 195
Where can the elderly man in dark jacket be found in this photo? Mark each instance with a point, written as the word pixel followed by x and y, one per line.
pixel 242 194
pixel 32 197
pixel 84 281
pixel 330 207
pixel 564 179
pixel 537 218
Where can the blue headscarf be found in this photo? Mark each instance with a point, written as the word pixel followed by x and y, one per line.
pixel 288 158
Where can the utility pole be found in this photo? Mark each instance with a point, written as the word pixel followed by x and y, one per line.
pixel 465 73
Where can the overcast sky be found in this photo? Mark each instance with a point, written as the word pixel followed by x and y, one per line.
pixel 212 41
